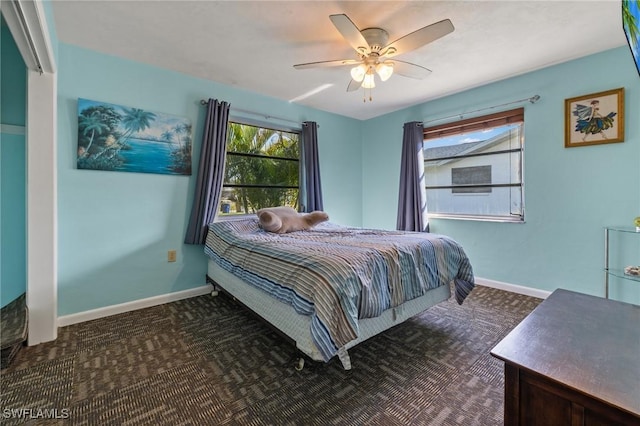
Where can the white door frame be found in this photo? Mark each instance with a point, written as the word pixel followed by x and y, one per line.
pixel 27 22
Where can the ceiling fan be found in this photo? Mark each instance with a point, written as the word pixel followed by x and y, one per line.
pixel 374 53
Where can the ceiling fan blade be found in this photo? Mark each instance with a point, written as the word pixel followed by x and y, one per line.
pixel 353 86
pixel 410 70
pixel 326 64
pixel 418 38
pixel 351 33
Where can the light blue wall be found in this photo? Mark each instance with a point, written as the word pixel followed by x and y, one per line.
pixel 13 266
pixel 14 80
pixel 570 194
pixel 47 5
pixel 114 228
pixel 12 171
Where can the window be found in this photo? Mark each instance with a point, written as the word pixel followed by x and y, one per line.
pixel 262 169
pixel 473 168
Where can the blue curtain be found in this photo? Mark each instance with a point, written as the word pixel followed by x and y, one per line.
pixel 210 172
pixel 312 187
pixel 412 200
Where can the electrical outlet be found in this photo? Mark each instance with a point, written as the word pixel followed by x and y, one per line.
pixel 171 256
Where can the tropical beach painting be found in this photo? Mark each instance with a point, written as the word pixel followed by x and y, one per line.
pixel 118 138
pixel 631 28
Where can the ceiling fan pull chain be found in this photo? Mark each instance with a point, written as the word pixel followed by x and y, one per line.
pixel 364 96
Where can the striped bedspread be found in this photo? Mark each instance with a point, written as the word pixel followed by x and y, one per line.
pixel 338 274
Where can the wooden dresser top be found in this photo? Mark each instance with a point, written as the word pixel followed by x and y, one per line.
pixel 587 343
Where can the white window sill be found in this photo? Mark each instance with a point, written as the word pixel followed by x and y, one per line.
pixel 502 219
pixel 232 217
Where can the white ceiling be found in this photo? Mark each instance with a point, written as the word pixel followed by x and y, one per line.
pixel 253 45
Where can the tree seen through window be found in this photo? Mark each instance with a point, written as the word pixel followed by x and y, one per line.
pixel 261 169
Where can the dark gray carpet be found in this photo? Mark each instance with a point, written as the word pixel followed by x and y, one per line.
pixel 205 361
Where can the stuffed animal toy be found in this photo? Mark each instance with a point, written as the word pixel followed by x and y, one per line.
pixel 283 219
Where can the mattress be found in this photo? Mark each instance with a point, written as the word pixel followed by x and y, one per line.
pixel 338 275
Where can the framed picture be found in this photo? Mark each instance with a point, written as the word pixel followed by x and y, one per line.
pixel 594 119
pixel 124 139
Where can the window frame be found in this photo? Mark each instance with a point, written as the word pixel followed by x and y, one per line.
pixel 260 125
pixel 514 116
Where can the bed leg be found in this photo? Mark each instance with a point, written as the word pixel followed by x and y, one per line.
pixel 214 291
pixel 344 358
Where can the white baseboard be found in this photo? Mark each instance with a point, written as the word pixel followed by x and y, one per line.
pixel 514 288
pixel 132 306
pixel 107 311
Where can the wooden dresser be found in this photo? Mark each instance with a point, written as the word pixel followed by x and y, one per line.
pixel 575 360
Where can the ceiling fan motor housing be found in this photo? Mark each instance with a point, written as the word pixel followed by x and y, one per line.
pixel 376 37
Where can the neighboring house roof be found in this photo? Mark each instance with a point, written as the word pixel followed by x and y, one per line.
pixel 450 150
pixel 463 148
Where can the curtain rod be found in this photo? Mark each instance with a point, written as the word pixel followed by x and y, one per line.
pixel 533 99
pixel 266 116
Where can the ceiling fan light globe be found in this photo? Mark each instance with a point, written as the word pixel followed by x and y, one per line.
pixel 357 73
pixel 369 81
pixel 384 70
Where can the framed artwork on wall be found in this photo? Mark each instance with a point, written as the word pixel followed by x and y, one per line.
pixel 631 28
pixel 123 139
pixel 594 119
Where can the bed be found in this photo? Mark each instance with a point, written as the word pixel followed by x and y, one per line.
pixel 331 287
